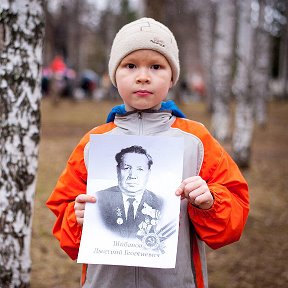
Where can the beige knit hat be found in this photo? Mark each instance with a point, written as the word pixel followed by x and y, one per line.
pixel 144 33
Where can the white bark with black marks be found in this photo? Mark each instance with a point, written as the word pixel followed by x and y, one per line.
pixel 22 26
pixel 244 120
pixel 222 67
pixel 206 39
pixel 262 65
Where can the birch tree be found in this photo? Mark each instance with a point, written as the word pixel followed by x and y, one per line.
pixel 282 85
pixel 283 63
pixel 261 66
pixel 20 63
pixel 244 123
pixel 222 67
pixel 206 37
pixel 155 9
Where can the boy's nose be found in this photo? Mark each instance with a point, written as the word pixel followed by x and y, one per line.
pixel 143 76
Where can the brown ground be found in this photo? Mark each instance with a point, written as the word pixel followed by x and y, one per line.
pixel 259 259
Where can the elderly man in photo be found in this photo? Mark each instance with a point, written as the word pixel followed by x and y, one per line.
pixel 129 209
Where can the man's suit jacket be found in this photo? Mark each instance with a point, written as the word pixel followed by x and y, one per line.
pixel 110 203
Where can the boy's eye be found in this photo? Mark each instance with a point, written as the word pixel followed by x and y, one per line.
pixel 130 66
pixel 156 66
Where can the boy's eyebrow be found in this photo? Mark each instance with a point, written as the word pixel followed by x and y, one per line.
pixel 133 59
pixel 129 58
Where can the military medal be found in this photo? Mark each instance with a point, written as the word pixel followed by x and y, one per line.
pixel 151 241
pixel 119 220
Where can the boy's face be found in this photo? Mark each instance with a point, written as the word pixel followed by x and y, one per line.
pixel 143 79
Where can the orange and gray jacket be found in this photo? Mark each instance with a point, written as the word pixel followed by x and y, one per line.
pixel 222 224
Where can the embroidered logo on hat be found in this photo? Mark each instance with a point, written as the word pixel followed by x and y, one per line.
pixel 158 42
pixel 145 26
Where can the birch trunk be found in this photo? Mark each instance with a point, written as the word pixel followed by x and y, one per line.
pixel 20 62
pixel 261 71
pixel 222 67
pixel 244 122
pixel 283 61
pixel 155 9
pixel 206 32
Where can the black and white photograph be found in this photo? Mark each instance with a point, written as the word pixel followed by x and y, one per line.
pixel 136 215
pixel 126 207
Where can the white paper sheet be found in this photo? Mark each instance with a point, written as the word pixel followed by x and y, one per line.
pixel 156 238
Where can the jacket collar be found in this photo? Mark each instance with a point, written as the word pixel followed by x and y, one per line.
pixel 168 106
pixel 147 122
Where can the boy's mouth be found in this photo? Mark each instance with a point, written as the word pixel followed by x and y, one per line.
pixel 143 93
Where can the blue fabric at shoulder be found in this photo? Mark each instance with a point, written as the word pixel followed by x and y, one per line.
pixel 120 110
pixel 169 105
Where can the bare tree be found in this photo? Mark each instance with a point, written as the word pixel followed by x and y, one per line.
pixel 261 66
pixel 222 67
pixel 283 53
pixel 156 9
pixel 20 62
pixel 206 40
pixel 284 63
pixel 243 130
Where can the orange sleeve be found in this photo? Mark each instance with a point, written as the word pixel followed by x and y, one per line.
pixel 70 184
pixel 224 222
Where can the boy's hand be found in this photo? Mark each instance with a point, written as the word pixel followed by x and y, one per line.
pixel 195 189
pixel 79 206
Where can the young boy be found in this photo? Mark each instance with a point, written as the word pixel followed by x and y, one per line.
pixel 144 65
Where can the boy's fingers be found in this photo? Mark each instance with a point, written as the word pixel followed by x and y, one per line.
pixel 82 198
pixel 204 201
pixel 179 190
pixel 80 221
pixel 79 213
pixel 188 184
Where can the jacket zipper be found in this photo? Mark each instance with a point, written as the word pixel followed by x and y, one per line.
pixel 137 277
pixel 140 128
pixel 140 132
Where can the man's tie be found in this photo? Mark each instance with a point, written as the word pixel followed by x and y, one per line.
pixel 130 213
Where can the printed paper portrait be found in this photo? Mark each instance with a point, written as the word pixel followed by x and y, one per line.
pixel 136 216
